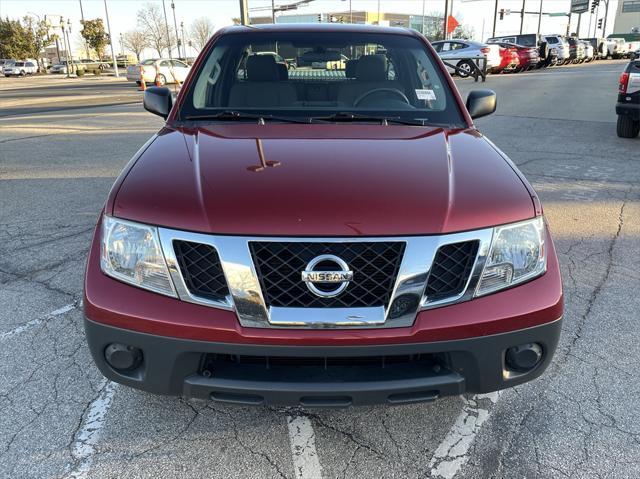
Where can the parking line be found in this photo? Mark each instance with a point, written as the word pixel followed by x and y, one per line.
pixel 451 454
pixel 303 447
pixel 87 436
pixel 34 322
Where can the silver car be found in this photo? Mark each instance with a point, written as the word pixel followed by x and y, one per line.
pixel 463 52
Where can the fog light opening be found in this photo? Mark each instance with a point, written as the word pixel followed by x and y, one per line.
pixel 523 358
pixel 122 357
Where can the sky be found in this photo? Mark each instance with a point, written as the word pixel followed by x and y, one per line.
pixel 478 14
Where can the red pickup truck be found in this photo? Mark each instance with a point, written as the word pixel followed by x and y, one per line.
pixel 321 237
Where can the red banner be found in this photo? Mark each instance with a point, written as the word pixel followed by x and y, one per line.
pixel 452 23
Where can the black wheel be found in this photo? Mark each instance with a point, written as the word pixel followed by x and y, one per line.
pixel 161 80
pixel 466 68
pixel 627 127
pixel 22 73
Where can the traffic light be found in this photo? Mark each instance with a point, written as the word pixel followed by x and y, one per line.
pixel 502 14
pixel 319 18
pixel 600 24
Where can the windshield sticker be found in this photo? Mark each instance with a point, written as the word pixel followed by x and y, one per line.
pixel 634 83
pixel 425 95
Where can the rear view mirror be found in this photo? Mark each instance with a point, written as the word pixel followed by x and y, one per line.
pixel 481 103
pixel 158 101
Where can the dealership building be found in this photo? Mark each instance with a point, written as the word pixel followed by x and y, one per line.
pixel 627 17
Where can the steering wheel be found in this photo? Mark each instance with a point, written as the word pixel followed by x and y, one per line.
pixel 395 91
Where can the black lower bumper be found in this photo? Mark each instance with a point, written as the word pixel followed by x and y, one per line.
pixel 320 376
pixel 628 109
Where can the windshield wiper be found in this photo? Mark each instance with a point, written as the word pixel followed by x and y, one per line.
pixel 232 115
pixel 347 116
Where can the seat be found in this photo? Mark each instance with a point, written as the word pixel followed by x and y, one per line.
pixel 370 74
pixel 263 87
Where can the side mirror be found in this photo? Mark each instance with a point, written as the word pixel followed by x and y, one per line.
pixel 481 103
pixel 157 100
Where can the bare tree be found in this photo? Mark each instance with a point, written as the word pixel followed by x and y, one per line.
pixel 135 41
pixel 151 21
pixel 201 30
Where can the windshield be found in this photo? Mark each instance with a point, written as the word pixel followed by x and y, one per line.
pixel 147 62
pixel 319 74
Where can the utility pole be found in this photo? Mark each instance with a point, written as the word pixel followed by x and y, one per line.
pixel 595 27
pixel 273 11
pixel 606 14
pixel 423 2
pixel 175 25
pixel 446 14
pixel 113 55
pixel 522 16
pixel 184 45
pixel 495 18
pixel 244 13
pixel 540 16
pixel 378 12
pixel 451 12
pixel 86 44
pixel 578 27
pixel 166 24
pixel 350 13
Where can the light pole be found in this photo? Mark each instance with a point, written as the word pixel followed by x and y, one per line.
pixel 64 42
pixel 175 25
pixel 273 11
pixel 113 55
pixel 522 16
pixel 495 18
pixel 244 13
pixel 86 44
pixel 423 2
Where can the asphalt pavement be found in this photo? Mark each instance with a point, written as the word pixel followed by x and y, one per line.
pixel 60 418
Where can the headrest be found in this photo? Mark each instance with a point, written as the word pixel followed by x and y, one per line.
pixel 283 71
pixel 262 68
pixel 372 68
pixel 350 68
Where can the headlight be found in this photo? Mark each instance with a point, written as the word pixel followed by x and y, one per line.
pixel 131 253
pixel 517 254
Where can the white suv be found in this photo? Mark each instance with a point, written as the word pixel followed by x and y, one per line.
pixel 20 68
pixel 560 45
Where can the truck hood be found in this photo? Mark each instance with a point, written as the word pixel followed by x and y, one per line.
pixel 321 180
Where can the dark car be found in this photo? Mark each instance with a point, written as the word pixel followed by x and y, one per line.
pixel 628 106
pixel 321 240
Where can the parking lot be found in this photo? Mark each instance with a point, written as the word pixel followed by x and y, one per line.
pixel 63 142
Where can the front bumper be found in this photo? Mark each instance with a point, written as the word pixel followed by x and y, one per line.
pixel 175 367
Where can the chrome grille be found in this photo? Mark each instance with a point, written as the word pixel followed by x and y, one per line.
pixel 279 265
pixel 201 270
pixel 451 269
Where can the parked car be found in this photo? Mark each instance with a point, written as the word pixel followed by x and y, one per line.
pixel 61 67
pixel 91 65
pixel 589 51
pixel 5 62
pixel 164 70
pixel 628 106
pixel 20 68
pixel 577 52
pixel 599 46
pixel 510 60
pixel 548 55
pixel 618 48
pixel 463 53
pixel 322 242
pixel 528 57
pixel 559 44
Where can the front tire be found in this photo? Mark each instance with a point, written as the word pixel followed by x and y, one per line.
pixel 627 127
pixel 161 80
